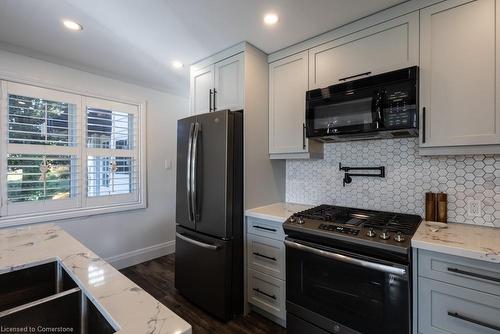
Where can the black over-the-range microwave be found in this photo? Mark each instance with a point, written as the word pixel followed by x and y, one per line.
pixel 380 106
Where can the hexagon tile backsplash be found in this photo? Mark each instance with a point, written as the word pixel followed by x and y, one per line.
pixel 408 177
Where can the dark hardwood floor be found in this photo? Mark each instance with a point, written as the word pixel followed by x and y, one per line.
pixel 157 278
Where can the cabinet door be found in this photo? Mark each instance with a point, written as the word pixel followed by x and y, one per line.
pixel 385 47
pixel 229 83
pixel 458 74
pixel 202 81
pixel 287 104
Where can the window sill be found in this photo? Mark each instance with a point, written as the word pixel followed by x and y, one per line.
pixel 69 214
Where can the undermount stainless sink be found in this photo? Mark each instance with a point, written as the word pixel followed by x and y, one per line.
pixel 44 297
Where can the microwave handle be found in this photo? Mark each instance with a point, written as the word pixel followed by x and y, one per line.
pixel 355 76
pixel 303 136
pixel 423 125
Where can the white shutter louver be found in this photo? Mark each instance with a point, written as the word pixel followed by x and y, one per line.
pixel 40 122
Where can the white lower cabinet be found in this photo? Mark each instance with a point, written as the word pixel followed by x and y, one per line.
pixel 455 295
pixel 267 293
pixel 266 255
pixel 265 270
pixel 447 308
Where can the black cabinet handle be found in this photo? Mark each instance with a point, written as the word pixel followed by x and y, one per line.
pixel 215 104
pixel 263 293
pixel 469 273
pixel 264 228
pixel 304 136
pixel 474 321
pixel 355 76
pixel 210 101
pixel 423 125
pixel 264 256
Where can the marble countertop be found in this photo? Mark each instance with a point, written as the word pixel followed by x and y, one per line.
pixel 470 241
pixel 132 309
pixel 278 212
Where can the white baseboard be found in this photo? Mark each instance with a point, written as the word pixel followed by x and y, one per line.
pixel 137 256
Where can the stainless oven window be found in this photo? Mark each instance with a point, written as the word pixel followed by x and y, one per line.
pixel 364 299
pixel 346 113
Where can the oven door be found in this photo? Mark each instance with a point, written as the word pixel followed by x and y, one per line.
pixel 351 111
pixel 344 293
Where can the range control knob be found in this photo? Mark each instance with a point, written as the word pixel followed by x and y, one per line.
pixel 292 219
pixel 399 237
pixel 300 221
pixel 371 233
pixel 384 235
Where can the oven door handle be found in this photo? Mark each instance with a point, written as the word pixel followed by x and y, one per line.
pixel 347 259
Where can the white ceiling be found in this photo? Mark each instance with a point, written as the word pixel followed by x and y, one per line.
pixel 136 40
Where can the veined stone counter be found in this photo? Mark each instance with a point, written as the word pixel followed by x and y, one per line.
pixel 470 241
pixel 132 309
pixel 278 212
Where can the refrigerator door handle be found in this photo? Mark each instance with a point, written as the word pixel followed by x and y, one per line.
pixel 188 178
pixel 196 242
pixel 194 168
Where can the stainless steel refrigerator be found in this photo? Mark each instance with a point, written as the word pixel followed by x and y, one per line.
pixel 209 212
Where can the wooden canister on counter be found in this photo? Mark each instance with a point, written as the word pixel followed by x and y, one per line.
pixel 442 208
pixel 431 207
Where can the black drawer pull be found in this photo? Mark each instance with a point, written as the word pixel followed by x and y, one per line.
pixel 474 321
pixel 264 256
pixel 468 273
pixel 355 76
pixel 265 228
pixel 263 293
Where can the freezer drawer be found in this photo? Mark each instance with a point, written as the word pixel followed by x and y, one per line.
pixel 445 308
pixel 266 255
pixel 203 269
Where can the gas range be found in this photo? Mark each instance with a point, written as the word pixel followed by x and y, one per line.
pixel 345 264
pixel 383 230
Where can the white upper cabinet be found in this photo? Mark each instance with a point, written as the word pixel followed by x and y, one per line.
pixel 229 83
pixel 218 86
pixel 201 92
pixel 384 47
pixel 287 104
pixel 459 74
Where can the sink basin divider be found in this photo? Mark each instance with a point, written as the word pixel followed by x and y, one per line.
pixel 83 313
pixel 39 301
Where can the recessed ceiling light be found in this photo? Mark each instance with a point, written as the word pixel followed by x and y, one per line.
pixel 271 19
pixel 177 64
pixel 72 25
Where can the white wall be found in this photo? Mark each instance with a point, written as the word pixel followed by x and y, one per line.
pixel 131 236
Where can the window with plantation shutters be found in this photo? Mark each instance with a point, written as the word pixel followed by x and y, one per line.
pixel 111 151
pixel 65 155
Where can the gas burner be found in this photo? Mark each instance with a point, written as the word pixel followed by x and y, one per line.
pixel 372 228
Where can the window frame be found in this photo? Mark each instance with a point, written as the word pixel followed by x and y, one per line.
pixel 81 205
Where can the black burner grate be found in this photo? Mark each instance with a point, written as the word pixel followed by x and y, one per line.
pixel 393 222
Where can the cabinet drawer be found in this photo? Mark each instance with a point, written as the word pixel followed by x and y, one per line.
pixel 445 308
pixel 266 255
pixel 265 228
pixel 472 274
pixel 267 293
